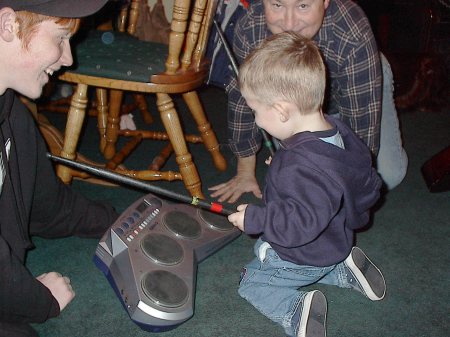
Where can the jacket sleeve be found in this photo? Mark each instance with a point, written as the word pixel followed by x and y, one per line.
pixel 23 299
pixel 59 211
pixel 359 98
pixel 56 209
pixel 243 135
pixel 298 211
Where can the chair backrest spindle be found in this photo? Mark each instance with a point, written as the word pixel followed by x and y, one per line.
pixel 178 28
pixel 200 49
pixel 122 19
pixel 193 32
pixel 190 27
pixel 128 17
pixel 133 16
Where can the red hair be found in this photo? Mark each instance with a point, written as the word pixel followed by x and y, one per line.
pixel 28 23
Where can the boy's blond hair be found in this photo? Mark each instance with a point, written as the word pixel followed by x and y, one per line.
pixel 286 67
pixel 28 23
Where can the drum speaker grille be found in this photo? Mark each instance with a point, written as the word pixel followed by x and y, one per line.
pixel 162 249
pixel 182 225
pixel 215 221
pixel 165 288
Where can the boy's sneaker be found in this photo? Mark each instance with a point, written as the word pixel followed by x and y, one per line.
pixel 364 276
pixel 313 314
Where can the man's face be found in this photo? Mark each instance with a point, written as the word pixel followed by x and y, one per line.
pixel 301 16
pixel 47 52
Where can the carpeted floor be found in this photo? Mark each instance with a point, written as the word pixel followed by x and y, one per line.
pixel 408 240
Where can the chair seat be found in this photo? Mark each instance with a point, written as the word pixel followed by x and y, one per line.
pixel 118 56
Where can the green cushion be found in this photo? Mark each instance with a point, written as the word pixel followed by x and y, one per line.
pixel 118 56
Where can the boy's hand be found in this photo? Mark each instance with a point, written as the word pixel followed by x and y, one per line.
pixel 59 286
pixel 237 219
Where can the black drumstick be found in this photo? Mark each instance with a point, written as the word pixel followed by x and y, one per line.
pixel 267 141
pixel 119 178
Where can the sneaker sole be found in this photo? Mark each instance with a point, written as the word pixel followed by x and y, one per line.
pixel 358 262
pixel 314 314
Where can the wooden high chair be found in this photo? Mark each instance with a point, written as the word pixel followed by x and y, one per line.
pixel 118 63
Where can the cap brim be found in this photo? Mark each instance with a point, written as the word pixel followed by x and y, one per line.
pixel 62 8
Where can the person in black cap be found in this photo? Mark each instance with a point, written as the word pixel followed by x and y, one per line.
pixel 34 43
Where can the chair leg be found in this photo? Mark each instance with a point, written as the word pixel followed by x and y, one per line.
pixel 172 125
pixel 161 158
pixel 140 103
pixel 102 115
pixel 74 124
pixel 143 108
pixel 112 129
pixel 209 138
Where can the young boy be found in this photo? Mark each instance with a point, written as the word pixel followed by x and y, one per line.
pixel 34 43
pixel 320 186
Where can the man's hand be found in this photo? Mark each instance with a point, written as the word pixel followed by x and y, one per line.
pixel 244 181
pixel 59 286
pixel 237 219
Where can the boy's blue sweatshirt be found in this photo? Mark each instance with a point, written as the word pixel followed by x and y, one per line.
pixel 316 195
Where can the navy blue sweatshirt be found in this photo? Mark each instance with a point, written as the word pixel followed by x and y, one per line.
pixel 316 195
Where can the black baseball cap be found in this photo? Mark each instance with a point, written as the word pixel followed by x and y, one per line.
pixel 58 8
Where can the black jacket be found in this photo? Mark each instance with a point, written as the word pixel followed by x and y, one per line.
pixel 33 201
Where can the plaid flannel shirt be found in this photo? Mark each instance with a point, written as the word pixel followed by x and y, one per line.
pixel 354 74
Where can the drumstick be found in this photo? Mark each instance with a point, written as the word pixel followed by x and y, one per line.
pixel 267 141
pixel 119 178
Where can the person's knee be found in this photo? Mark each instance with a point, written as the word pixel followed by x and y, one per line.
pixel 386 69
pixel 392 170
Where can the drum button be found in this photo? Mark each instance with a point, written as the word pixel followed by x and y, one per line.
pixel 125 225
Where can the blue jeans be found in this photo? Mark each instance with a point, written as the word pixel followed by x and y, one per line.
pixel 392 161
pixel 272 285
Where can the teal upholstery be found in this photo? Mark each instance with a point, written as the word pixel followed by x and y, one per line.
pixel 119 56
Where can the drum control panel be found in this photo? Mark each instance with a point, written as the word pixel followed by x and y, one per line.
pixel 135 220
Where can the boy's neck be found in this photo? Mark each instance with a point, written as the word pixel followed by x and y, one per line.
pixel 312 122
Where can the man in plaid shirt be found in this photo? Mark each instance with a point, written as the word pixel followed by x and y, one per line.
pixel 360 86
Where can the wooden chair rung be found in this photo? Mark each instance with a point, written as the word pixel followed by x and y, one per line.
pixel 120 156
pixel 151 175
pixel 161 158
pixel 159 135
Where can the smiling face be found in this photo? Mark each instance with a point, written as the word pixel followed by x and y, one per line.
pixel 304 17
pixel 47 51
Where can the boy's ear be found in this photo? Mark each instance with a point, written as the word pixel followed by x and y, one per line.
pixel 283 110
pixel 7 24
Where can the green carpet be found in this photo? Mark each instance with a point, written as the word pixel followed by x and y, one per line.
pixel 409 241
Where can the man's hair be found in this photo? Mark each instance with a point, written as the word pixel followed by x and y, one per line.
pixel 287 67
pixel 28 23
